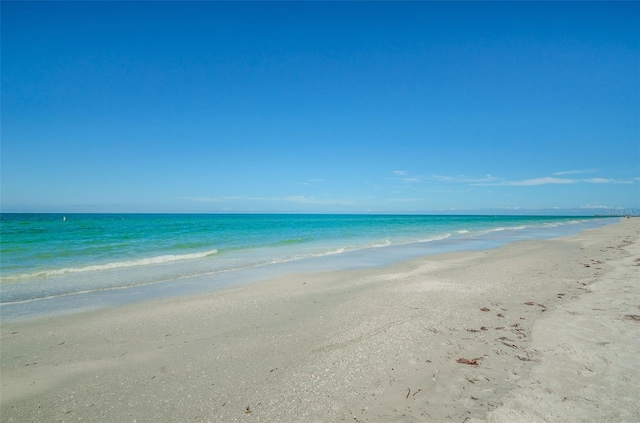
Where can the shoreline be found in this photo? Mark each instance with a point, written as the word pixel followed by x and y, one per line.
pixel 374 345
pixel 68 294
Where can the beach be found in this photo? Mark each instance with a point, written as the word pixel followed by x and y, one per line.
pixel 536 330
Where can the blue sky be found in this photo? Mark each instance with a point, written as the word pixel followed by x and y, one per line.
pixel 320 107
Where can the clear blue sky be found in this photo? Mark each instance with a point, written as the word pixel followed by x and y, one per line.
pixel 320 107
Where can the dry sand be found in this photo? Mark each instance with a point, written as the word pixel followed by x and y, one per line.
pixel 534 331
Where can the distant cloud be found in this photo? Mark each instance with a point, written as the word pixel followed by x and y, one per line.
pixel 547 180
pixel 403 174
pixel 490 180
pixel 290 199
pixel 205 199
pixel 574 172
pixel 604 181
pixel 464 179
pixel 593 206
pixel 308 200
pixel 460 179
pixel 537 181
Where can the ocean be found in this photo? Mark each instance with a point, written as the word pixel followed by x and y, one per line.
pixel 73 261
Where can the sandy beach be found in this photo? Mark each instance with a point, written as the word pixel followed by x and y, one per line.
pixel 535 331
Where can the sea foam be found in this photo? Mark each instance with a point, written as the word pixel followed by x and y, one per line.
pixel 168 258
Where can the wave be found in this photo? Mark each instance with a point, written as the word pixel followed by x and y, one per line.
pixel 435 238
pixel 502 228
pixel 115 265
pixel 386 243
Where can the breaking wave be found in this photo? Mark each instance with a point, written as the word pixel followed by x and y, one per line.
pixel 114 265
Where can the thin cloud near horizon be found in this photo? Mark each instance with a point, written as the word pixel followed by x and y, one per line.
pixel 560 181
pixel 291 198
pixel 490 180
pixel 575 172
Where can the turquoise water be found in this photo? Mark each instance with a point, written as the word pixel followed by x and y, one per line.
pixel 49 255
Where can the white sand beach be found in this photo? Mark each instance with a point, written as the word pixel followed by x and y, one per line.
pixel 535 331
